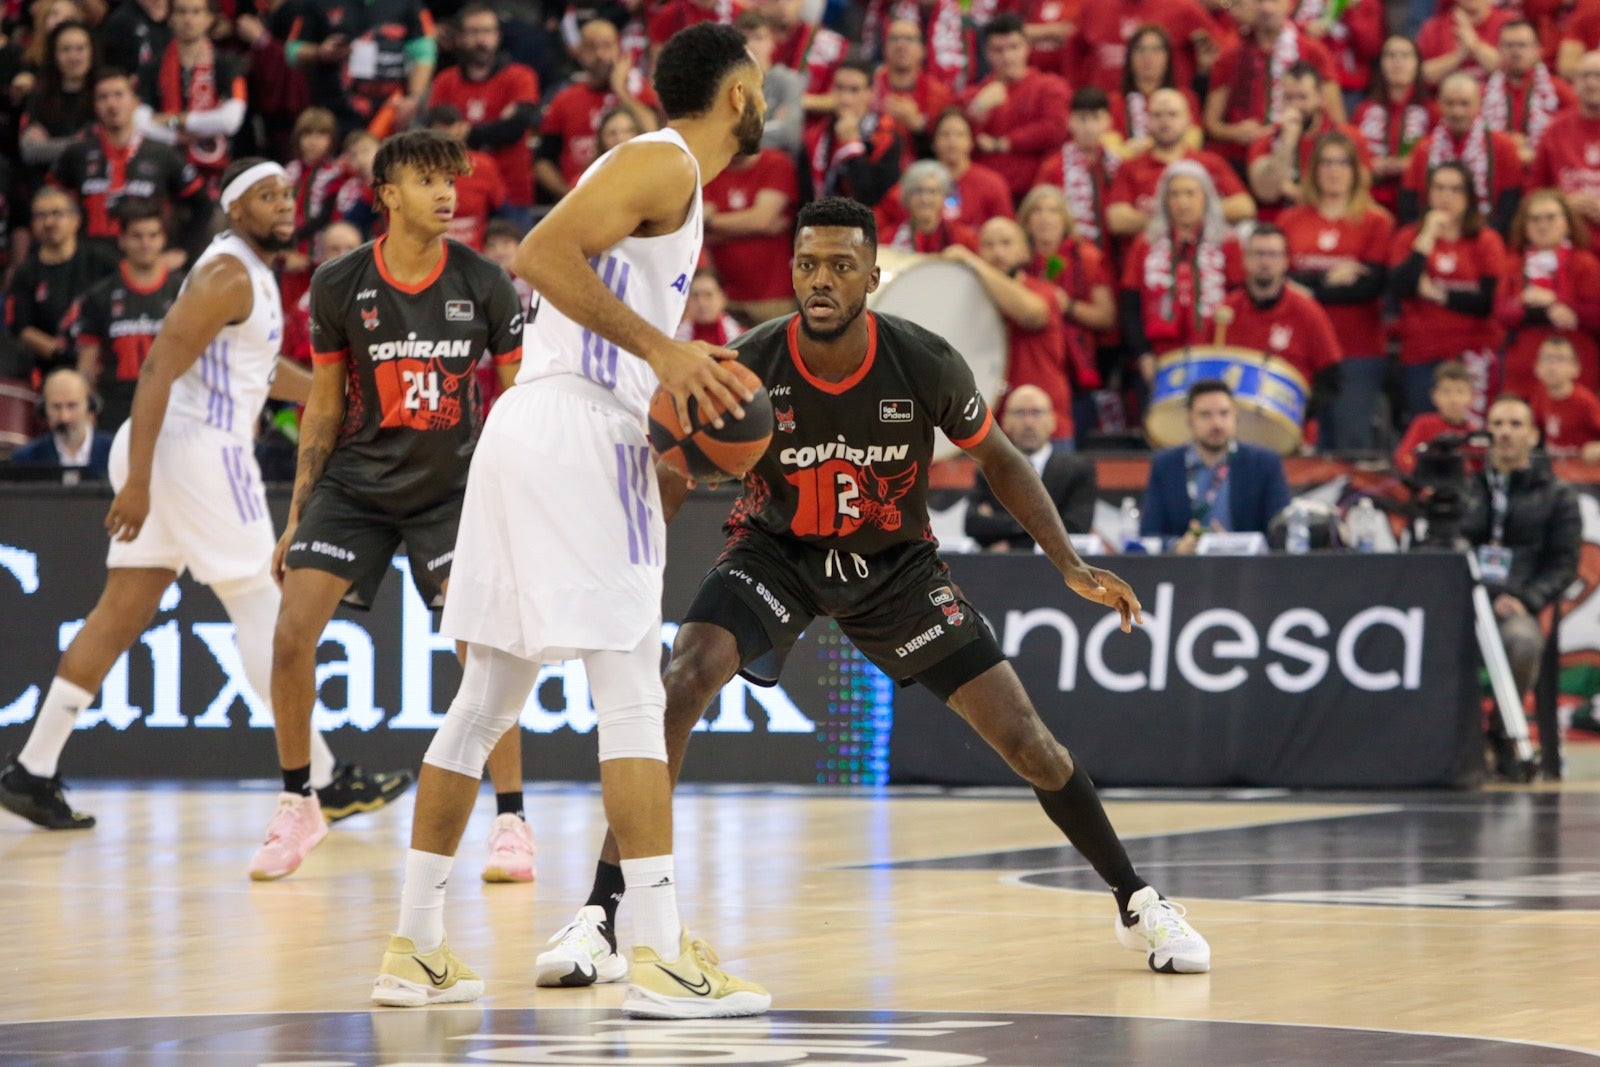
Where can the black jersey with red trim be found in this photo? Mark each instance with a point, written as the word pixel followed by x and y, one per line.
pixel 101 174
pixel 412 409
pixel 848 465
pixel 121 319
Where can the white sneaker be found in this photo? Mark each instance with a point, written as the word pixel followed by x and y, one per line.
pixel 582 955
pixel 1171 945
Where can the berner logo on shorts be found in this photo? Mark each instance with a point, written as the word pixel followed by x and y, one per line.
pixel 894 411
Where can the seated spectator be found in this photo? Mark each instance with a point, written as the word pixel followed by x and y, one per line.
pixel 1568 155
pixel 783 88
pixel 858 153
pixel 1579 36
pixel 73 440
pixel 922 224
pixel 906 91
pixel 136 33
pixel 195 95
pixel 334 241
pixel 1098 52
pixel 1452 394
pixel 1550 288
pixel 671 16
pixel 1130 203
pixel 112 326
pixel 1069 479
pixel 1085 167
pixel 568 132
pixel 1566 414
pixel 371 63
pixel 61 104
pixel 1523 97
pixel 1247 83
pixel 705 316
pixel 1394 118
pixel 1019 114
pixel 812 51
pixel 1178 272
pixel 1339 252
pixel 501 238
pixel 1444 272
pixel 1528 531
pixel 1214 484
pixel 1351 32
pixel 1278 161
pixel 1084 294
pixel 749 218
pixel 1148 69
pixel 1272 317
pixel 113 161
pixel 946 35
pixel 1461 136
pixel 1036 338
pixel 1462 39
pixel 354 203
pixel 980 193
pixel 481 191
pixel 499 99
pixel 1048 25
pixel 616 126
pixel 59 267
pixel 317 178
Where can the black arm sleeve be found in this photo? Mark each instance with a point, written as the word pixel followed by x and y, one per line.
pixel 550 146
pixel 502 132
pixel 1505 209
pixel 1324 387
pixel 1368 287
pixel 1409 207
pixel 1130 308
pixel 1480 303
pixel 1404 278
pixel 870 176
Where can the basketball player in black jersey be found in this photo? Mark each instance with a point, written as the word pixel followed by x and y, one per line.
pixel 397 330
pixel 833 522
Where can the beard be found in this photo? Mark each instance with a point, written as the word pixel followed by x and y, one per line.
pixel 271 242
pixel 847 317
pixel 749 130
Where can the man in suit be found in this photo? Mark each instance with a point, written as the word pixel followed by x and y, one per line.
pixel 1069 478
pixel 73 441
pixel 1216 482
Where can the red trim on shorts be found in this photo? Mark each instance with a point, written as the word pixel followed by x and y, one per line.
pixel 834 388
pixel 393 283
pixel 324 359
pixel 983 431
pixel 510 355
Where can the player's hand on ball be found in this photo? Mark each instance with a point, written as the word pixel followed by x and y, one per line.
pixel 694 368
pixel 128 512
pixel 1103 587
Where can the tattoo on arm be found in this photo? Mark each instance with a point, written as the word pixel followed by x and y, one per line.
pixel 318 433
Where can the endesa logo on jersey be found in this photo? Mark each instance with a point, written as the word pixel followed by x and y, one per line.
pixel 413 348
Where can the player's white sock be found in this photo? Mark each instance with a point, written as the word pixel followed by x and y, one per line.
pixel 653 895
pixel 52 726
pixel 422 899
pixel 252 605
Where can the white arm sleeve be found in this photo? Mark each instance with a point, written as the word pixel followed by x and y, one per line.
pixel 144 120
pixel 223 120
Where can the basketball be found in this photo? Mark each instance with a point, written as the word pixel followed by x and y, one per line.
pixel 700 450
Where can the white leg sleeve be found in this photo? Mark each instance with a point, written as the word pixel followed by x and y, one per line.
pixel 629 701
pixel 494 687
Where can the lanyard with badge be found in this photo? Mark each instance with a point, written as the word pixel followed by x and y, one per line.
pixel 1494 559
pixel 1200 509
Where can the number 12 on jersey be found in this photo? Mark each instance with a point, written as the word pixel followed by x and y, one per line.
pixel 827 504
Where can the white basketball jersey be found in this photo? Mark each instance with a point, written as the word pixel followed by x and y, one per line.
pixel 649 274
pixel 226 387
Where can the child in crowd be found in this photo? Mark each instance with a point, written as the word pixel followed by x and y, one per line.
pixel 1567 414
pixel 1452 414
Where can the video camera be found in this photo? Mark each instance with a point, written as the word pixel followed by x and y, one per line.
pixel 1439 486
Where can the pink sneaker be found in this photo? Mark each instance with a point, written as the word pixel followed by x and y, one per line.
pixel 510 851
pixel 296 828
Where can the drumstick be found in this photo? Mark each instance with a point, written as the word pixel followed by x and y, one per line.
pixel 1224 317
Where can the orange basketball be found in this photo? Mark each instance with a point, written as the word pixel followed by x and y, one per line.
pixel 702 451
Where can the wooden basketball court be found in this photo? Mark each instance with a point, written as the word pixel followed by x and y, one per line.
pixel 908 928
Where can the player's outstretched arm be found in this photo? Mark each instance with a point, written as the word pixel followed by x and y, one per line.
pixel 319 432
pixel 290 381
pixel 1017 486
pixel 218 293
pixel 643 189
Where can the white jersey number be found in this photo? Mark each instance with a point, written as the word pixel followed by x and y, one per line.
pixel 422 387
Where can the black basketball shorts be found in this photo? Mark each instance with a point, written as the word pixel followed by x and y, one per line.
pixel 341 534
pixel 899 607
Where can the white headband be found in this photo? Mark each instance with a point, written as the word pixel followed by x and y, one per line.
pixel 240 185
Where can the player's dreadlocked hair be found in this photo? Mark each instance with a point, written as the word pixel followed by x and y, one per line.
pixel 841 212
pixel 423 151
pixel 693 64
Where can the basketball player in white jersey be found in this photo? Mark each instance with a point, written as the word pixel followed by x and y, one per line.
pixel 189 493
pixel 561 542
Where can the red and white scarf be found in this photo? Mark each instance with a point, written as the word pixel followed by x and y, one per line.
pixel 1474 153
pixel 1275 64
pixel 1550 268
pixel 1182 290
pixel 207 153
pixel 908 239
pixel 1538 107
pixel 944 34
pixel 1137 106
pixel 1083 193
pixel 1387 137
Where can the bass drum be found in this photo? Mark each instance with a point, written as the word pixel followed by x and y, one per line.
pixel 946 298
pixel 18 412
pixel 1269 395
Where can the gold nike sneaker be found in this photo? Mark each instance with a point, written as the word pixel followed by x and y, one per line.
pixel 690 987
pixel 411 979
